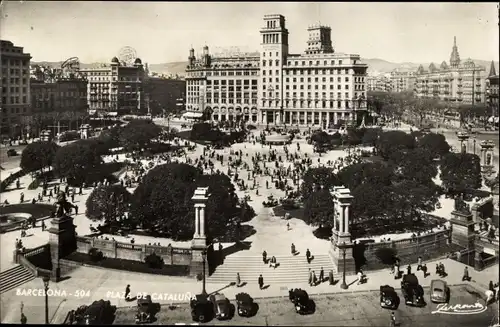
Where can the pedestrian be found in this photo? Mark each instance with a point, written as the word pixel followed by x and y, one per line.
pixel 43 225
pixel 438 269
pixel 314 279
pixel 424 269
pixel 287 226
pixel 310 277
pixel 308 256
pixel 264 257
pixel 321 275
pixel 442 270
pixel 80 191
pixel 393 319
pixel 73 197
pixel 419 263
pixel 127 293
pixel 261 282
pixel 360 277
pixel 238 280
pixel 330 277
pixel 18 184
pixel 292 248
pixel 408 270
pixel 76 210
pixel 22 197
pixel 24 320
pixel 466 276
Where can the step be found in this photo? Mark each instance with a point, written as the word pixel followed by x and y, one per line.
pixel 14 277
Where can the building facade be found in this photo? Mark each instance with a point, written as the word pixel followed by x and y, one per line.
pixel 316 88
pixel 456 83
pixel 53 90
pixel 116 89
pixel 492 90
pixel 402 81
pixel 162 94
pixel 379 83
pixel 15 86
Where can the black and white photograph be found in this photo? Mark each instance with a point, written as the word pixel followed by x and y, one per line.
pixel 249 163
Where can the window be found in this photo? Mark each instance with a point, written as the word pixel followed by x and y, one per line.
pixel 277 62
pixel 340 62
pixel 347 79
pixel 339 87
pixel 339 79
pixel 347 86
pixel 270 62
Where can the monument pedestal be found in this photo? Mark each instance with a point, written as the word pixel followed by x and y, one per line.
pixel 462 232
pixel 337 253
pixel 62 242
pixel 198 247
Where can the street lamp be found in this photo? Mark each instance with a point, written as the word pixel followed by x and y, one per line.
pixel 474 143
pixel 344 284
pixel 46 281
pixel 204 257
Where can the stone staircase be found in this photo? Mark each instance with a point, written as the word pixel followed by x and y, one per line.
pixel 14 277
pixel 291 269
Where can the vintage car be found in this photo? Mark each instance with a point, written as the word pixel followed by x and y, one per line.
pixel 439 291
pixel 98 313
pixel 222 306
pixel 413 292
pixel 301 300
pixel 389 299
pixel 201 308
pixel 246 306
pixel 11 153
pixel 144 310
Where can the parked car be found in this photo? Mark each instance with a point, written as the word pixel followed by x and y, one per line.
pixel 98 313
pixel 300 298
pixel 439 291
pixel 389 299
pixel 11 153
pixel 201 308
pixel 412 291
pixel 246 306
pixel 222 306
pixel 144 310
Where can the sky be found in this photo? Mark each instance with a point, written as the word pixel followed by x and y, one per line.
pixel 165 31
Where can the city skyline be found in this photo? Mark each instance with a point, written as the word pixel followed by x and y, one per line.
pixel 95 31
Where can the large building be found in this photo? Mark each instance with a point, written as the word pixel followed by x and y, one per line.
pixel 402 81
pixel 57 90
pixel 492 91
pixel 315 88
pixel 15 86
pixel 379 83
pixel 456 82
pixel 116 89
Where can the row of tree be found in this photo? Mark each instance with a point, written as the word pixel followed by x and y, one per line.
pixel 396 191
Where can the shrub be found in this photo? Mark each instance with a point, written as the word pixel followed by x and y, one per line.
pixel 250 127
pixel 154 261
pixel 95 255
pixel 35 184
pixel 69 136
pixel 387 256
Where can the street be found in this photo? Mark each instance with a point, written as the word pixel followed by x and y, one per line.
pixel 8 163
pixel 351 309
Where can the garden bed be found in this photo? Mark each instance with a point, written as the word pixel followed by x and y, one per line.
pixel 128 265
pixel 37 210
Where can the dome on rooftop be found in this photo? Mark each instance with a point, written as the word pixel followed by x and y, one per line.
pixel 115 60
pixel 138 61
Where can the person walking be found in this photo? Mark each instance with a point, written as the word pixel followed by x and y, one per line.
pixel 408 270
pixel 321 275
pixel 310 277
pixel 308 256
pixel 287 226
pixel 466 276
pixel 419 263
pixel 261 282
pixel 393 319
pixel 127 293
pixel 314 279
pixel 238 280
pixel 424 269
pixel 264 257
pixel 292 248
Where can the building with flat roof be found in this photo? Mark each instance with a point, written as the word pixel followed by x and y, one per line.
pixel 15 86
pixel 457 82
pixel 316 88
pixel 402 81
pixel 492 91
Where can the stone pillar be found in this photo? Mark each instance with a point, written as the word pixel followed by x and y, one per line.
pixel 347 219
pixel 341 239
pixel 199 243
pixel 487 156
pixel 342 219
pixel 462 229
pixel 62 242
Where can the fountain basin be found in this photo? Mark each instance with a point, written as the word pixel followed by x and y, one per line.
pixel 9 219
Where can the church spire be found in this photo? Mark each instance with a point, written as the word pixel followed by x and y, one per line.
pixel 455 57
pixel 493 72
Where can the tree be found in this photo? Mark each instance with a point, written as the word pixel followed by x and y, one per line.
pixel 77 160
pixel 371 135
pixel 378 173
pixel 316 178
pixel 435 143
pixel 461 172
pixel 162 202
pixel 318 208
pixel 391 142
pixel 107 203
pixel 410 199
pixel 37 156
pixel 417 165
pixel 138 134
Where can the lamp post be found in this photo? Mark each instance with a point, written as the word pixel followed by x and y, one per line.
pixel 204 256
pixel 46 281
pixel 344 284
pixel 474 145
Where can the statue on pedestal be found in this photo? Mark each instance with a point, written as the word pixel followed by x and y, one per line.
pixel 63 206
pixel 461 206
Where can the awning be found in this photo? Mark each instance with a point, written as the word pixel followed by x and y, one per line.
pixel 191 114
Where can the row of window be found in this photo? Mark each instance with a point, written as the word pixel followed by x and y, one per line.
pixel 14 71
pixel 14 110
pixel 13 89
pixel 13 100
pixel 15 81
pixel 232 82
pixel 15 62
pixel 309 104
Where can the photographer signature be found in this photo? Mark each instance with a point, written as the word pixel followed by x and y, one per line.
pixel 460 309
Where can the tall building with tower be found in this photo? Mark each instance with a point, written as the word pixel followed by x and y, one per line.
pixel 457 82
pixel 15 86
pixel 492 92
pixel 316 88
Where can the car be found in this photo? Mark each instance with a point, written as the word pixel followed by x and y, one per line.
pixel 300 298
pixel 98 313
pixel 389 299
pixel 221 306
pixel 246 306
pixel 11 153
pixel 201 308
pixel 413 292
pixel 144 310
pixel 439 291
